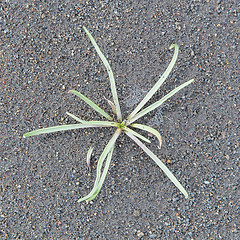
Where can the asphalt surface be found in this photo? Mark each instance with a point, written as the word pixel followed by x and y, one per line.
pixel 45 53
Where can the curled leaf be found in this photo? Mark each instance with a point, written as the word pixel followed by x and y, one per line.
pixel 89 155
pixel 112 105
pixel 151 131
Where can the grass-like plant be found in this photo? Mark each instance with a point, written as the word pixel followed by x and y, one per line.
pixel 126 126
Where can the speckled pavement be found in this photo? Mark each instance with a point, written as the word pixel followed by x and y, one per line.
pixel 44 53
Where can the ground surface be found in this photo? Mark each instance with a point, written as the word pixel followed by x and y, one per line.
pixel 45 53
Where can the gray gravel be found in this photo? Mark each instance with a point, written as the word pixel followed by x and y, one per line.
pixel 44 53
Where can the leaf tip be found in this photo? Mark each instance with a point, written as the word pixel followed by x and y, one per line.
pixel 81 200
pixel 173 46
pixel 160 143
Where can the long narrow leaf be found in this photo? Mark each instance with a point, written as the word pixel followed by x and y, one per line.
pixel 158 83
pixel 159 163
pixel 158 103
pixel 100 163
pixel 110 74
pixel 88 124
pixel 104 174
pixel 91 104
pixel 150 130
pixel 75 117
pixel 137 134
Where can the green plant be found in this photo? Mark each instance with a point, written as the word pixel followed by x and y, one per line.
pixel 121 125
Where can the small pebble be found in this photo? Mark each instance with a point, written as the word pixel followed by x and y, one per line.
pixel 153 236
pixel 136 213
pixel 140 234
